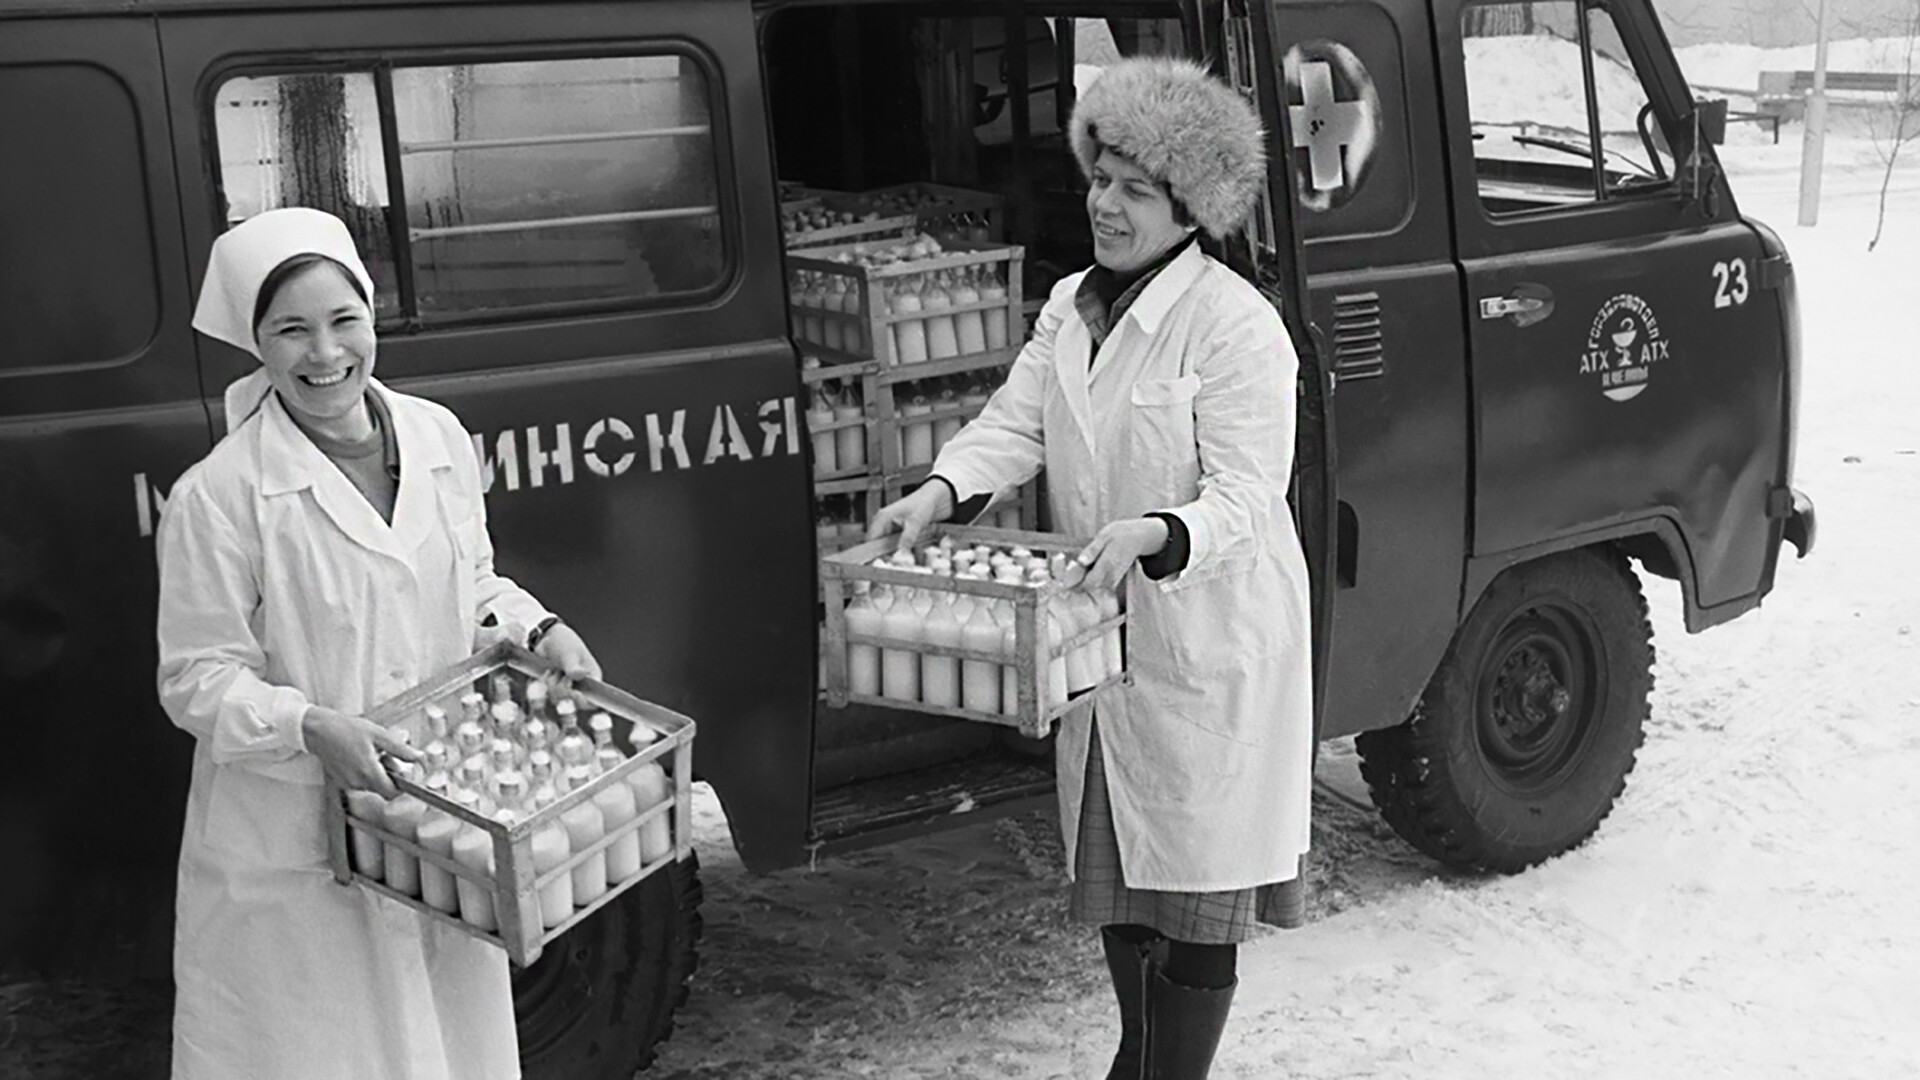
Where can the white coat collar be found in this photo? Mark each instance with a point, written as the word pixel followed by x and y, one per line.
pixel 1169 285
pixel 290 462
pixel 1077 366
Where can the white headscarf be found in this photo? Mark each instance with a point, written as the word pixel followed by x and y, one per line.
pixel 241 259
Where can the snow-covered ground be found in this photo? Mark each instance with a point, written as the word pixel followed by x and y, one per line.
pixel 1752 908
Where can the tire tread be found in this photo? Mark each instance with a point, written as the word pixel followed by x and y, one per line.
pixel 1406 767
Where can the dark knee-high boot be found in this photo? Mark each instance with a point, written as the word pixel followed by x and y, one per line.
pixel 1131 964
pixel 1183 1028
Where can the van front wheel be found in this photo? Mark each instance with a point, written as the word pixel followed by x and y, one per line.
pixel 601 998
pixel 1528 729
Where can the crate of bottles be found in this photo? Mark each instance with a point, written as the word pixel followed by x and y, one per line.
pixel 917 306
pixel 537 804
pixel 941 209
pixel 863 423
pixel 813 222
pixel 973 624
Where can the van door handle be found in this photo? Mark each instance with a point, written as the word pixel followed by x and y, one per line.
pixel 1526 305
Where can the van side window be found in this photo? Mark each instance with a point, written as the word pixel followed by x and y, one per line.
pixel 1533 105
pixel 79 285
pixel 310 140
pixel 521 187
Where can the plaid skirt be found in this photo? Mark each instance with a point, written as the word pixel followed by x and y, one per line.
pixel 1100 894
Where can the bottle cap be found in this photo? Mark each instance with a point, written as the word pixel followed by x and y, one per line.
pixel 500 686
pixel 534 733
pixel 566 710
pixel 472 705
pixel 501 753
pixel 536 691
pixel 511 785
pixel 505 715
pixel 601 725
pixel 609 758
pixel 436 721
pixel 467 798
pixel 472 772
pixel 540 765
pixel 469 737
pixel 578 776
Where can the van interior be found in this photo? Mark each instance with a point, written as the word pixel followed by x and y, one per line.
pixel 866 97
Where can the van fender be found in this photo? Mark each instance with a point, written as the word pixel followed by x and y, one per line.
pixel 1653 540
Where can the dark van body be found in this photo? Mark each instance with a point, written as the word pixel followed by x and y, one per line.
pixel 1520 373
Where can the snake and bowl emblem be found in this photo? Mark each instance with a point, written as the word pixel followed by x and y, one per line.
pixel 1624 346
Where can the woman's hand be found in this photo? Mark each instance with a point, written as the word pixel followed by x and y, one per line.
pixel 930 502
pixel 1113 551
pixel 566 650
pixel 349 747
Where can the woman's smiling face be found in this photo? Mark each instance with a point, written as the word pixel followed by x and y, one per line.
pixel 316 339
pixel 1132 215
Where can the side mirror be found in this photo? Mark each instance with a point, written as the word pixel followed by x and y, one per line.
pixel 1710 120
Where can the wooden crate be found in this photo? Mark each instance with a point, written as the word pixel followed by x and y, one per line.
pixel 941 209
pixel 515 885
pixel 884 476
pixel 873 323
pixel 1034 713
pixel 871 228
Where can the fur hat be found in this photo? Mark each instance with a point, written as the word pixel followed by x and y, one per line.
pixel 1185 128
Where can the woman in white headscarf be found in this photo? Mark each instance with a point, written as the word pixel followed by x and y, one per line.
pixel 329 553
pixel 1157 393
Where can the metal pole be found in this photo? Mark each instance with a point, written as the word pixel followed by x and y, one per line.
pixel 1813 146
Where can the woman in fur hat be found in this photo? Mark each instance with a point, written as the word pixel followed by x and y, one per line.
pixel 1157 392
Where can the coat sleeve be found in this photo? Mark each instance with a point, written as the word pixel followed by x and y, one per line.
pixel 211 658
pixel 1244 429
pixel 499 601
pixel 1005 445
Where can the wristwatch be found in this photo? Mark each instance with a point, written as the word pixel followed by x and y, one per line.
pixel 540 631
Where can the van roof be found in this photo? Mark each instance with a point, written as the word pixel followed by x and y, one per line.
pixel 19 9
pixel 13 9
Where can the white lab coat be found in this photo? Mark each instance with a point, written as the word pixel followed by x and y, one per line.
pixel 1188 408
pixel 281 586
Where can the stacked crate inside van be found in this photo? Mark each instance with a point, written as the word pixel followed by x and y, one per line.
pixel 907 317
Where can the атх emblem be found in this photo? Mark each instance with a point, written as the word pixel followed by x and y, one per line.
pixel 1623 346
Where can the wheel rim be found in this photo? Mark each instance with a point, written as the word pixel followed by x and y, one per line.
pixel 1539 696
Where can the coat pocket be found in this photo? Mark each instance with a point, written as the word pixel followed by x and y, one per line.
pixel 267 819
pixel 1160 392
pixel 1161 442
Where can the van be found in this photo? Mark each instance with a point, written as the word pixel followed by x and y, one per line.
pixel 1540 346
